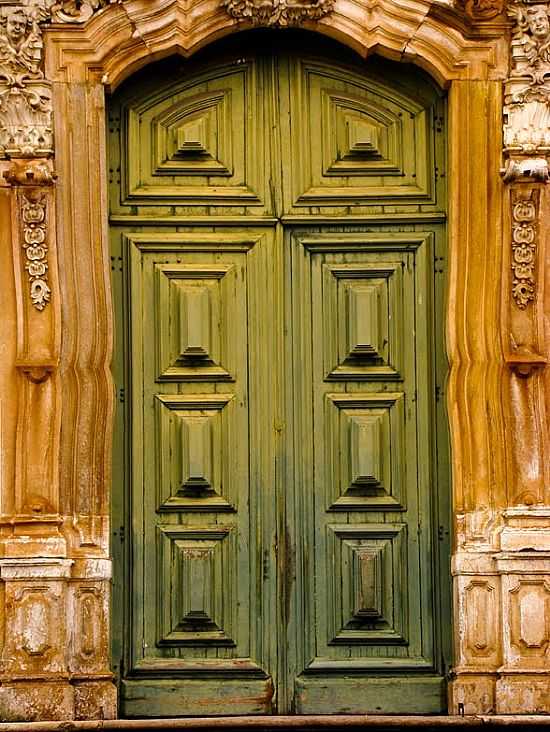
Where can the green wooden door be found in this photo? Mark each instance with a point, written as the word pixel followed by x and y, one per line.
pixel 281 471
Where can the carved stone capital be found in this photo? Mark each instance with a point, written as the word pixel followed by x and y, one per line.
pixel 31 173
pixel 535 169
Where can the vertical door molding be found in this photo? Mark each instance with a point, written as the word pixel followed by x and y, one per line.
pixel 475 399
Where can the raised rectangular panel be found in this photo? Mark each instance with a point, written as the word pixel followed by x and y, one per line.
pixel 482 622
pixel 193 438
pixel 529 603
pixel 365 331
pixel 195 323
pixel 365 451
pixel 367 595
pixel 197 437
pixel 194 305
pixel 368 584
pixel 196 596
pixel 198 141
pixel 368 436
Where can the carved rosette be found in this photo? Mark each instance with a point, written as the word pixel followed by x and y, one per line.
pixel 279 13
pixel 525 211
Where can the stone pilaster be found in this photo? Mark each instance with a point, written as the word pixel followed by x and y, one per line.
pixel 502 576
pixel 54 562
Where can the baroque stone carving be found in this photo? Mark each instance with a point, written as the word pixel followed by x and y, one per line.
pixel 20 45
pixel 278 12
pixel 524 246
pixel 25 97
pixel 30 174
pixel 480 9
pixel 77 11
pixel 33 217
pixel 527 95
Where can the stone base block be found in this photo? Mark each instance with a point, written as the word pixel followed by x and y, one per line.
pixel 95 700
pixel 472 694
pixel 36 701
pixel 523 694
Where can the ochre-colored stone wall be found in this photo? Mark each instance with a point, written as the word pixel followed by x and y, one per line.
pixel 56 392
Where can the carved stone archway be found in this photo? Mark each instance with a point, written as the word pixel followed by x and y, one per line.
pixel 56 390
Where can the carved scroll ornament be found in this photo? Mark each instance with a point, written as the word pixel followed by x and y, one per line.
pixel 278 12
pixel 480 10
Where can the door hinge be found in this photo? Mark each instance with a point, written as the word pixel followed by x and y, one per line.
pixel 121 395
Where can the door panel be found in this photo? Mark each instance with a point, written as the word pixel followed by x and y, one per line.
pixel 354 140
pixel 362 306
pixel 204 140
pixel 280 455
pixel 198 518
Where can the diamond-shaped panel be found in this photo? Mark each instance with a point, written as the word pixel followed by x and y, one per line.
pixel 194 303
pixel 366 468
pixel 193 452
pixel 363 305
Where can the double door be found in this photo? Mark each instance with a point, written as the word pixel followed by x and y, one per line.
pixel 280 455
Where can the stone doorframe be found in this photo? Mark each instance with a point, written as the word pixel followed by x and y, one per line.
pixel 57 59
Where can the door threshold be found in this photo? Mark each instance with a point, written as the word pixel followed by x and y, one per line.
pixel 313 723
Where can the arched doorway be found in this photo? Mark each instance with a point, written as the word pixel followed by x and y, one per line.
pixel 281 461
